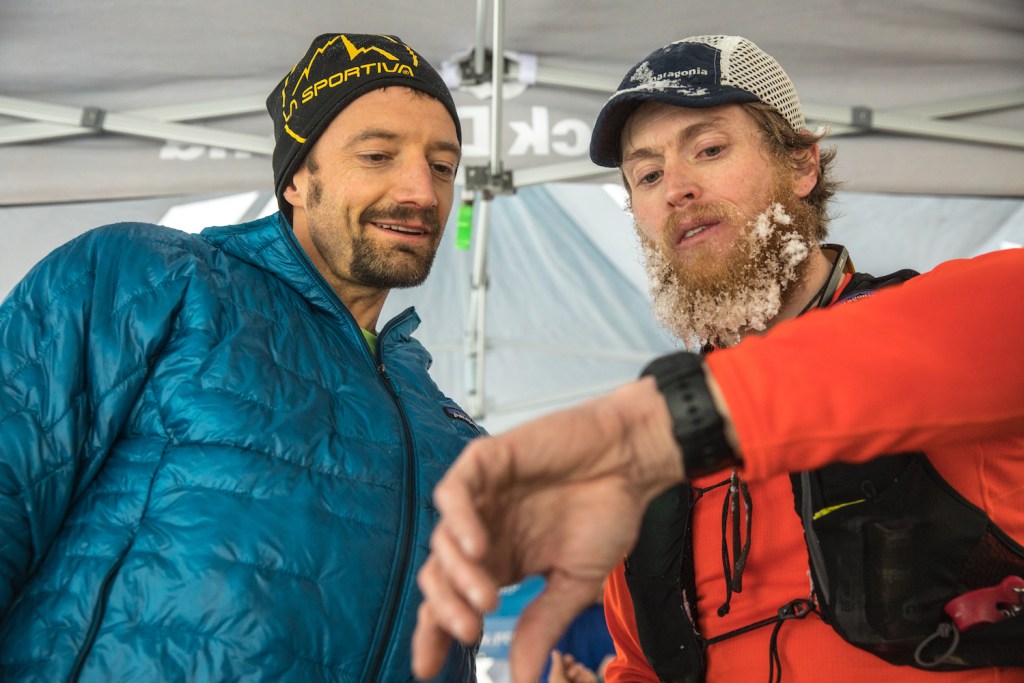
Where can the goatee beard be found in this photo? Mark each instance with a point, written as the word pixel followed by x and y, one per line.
pixel 745 287
pixel 371 264
pixel 397 269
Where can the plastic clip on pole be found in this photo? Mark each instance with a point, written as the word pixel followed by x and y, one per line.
pixel 464 225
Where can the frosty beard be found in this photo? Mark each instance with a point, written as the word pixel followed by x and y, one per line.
pixel 718 300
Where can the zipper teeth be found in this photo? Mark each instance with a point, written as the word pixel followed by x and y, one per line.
pixel 405 543
pixel 409 519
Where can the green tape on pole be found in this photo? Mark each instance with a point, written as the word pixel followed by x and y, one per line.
pixel 464 231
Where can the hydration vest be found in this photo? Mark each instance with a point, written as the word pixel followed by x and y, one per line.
pixel 891 544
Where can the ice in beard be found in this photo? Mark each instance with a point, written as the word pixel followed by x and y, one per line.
pixel 746 295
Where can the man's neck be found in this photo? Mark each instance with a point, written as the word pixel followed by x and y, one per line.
pixel 364 304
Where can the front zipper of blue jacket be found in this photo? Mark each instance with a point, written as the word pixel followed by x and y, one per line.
pixel 381 639
pixel 395 588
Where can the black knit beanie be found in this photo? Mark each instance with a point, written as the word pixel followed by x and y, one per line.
pixel 338 68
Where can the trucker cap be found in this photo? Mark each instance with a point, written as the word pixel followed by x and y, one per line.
pixel 697 72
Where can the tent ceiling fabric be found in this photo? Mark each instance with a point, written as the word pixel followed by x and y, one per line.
pixel 150 69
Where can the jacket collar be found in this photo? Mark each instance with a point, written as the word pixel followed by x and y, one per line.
pixel 269 244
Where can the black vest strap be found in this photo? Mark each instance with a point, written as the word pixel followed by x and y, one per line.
pixel 663 590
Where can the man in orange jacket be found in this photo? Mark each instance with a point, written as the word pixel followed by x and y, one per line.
pixel 799 545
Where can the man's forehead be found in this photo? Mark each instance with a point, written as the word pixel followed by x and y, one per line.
pixel 659 123
pixel 385 114
pixel 652 112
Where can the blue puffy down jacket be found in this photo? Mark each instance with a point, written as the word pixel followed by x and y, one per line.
pixel 205 474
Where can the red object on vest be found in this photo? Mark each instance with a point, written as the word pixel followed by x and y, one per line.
pixel 988 605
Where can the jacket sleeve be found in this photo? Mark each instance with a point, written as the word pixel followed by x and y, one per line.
pixel 76 338
pixel 930 363
pixel 629 665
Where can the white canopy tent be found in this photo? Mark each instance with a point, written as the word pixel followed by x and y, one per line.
pixel 158 104
pixel 103 99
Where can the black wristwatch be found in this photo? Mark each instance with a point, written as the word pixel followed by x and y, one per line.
pixel 696 423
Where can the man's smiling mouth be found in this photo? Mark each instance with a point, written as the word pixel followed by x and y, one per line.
pixel 405 230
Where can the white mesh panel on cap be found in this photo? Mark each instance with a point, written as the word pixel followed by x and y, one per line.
pixel 745 65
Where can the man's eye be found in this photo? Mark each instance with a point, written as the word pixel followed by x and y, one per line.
pixel 649 178
pixel 713 150
pixel 445 170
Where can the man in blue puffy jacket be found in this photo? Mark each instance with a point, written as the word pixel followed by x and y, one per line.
pixel 215 464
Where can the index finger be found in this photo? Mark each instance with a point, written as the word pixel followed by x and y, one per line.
pixel 456 498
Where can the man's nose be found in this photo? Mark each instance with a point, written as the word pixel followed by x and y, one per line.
pixel 415 185
pixel 681 186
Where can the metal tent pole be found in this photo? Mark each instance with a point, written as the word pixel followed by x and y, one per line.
pixel 476 346
pixel 480 53
pixel 497 86
pixel 476 332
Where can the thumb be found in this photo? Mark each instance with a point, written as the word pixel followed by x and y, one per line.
pixel 540 626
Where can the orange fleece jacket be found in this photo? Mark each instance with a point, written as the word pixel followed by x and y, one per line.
pixel 932 365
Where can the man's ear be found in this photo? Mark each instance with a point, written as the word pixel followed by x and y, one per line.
pixel 806 168
pixel 295 192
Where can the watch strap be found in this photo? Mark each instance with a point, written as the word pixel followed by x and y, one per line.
pixel 696 423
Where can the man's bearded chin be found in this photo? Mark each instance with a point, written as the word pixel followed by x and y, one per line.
pixel 745 288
